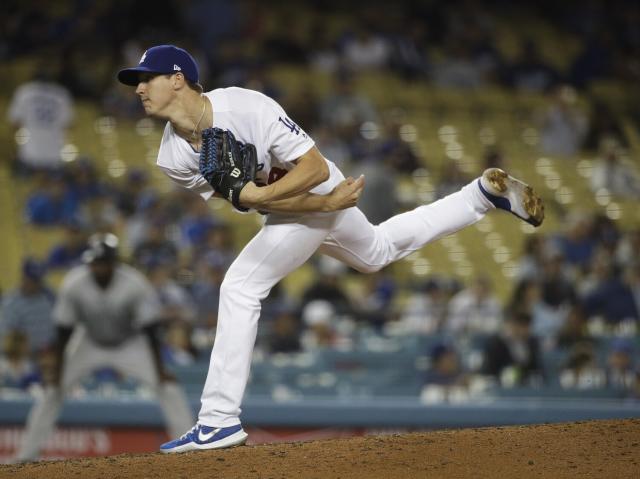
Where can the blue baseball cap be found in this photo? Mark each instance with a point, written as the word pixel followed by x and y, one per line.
pixel 161 59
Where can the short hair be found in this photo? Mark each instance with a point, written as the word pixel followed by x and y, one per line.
pixel 194 86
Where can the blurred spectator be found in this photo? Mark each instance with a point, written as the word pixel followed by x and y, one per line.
pixel 594 59
pixel 176 304
pixel 28 309
pixel 155 248
pixel 82 180
pixel 51 203
pixel 611 172
pixel 17 371
pixel 177 348
pixel 278 302
pixel 118 102
pixel 628 247
pixel 574 329
pixel 68 252
pixel 615 298
pixel 606 232
pixel 546 320
pixel 284 334
pixel 99 213
pixel 128 195
pixel 445 367
pixel 557 287
pixel 599 270
pixel 409 55
pixel 323 55
pixel 150 209
pixel 576 245
pixel 257 78
pixel 530 73
pixel 620 371
pixel 217 239
pixel 206 289
pixel 474 310
pixel 394 149
pixel 425 310
pixel 604 127
pixel 42 111
pixel 375 301
pixel 365 145
pixel 530 262
pixel 344 109
pixel 581 369
pixel 319 319
pixel 563 125
pixel 484 51
pixel 366 50
pixel 332 146
pixel 513 355
pixel 196 224
pixel 327 286
pixel 458 68
pixel 93 196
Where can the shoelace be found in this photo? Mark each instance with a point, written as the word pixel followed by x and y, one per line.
pixel 190 431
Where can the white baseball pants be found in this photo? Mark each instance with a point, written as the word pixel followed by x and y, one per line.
pixel 282 245
pixel 82 356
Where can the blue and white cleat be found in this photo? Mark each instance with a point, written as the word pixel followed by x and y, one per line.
pixel 201 437
pixel 512 195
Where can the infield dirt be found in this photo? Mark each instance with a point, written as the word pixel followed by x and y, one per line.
pixel 594 449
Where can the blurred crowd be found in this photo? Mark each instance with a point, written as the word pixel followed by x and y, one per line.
pixel 452 44
pixel 572 319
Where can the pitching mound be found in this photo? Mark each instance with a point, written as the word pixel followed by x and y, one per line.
pixel 596 449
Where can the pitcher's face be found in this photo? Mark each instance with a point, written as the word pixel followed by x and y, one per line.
pixel 156 93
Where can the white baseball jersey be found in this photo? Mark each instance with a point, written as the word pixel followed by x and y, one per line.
pixel 45 111
pixel 253 118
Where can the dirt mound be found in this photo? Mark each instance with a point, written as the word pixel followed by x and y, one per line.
pixel 595 449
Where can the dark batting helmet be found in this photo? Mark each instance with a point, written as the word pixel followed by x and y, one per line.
pixel 101 247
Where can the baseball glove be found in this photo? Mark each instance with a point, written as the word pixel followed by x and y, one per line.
pixel 227 164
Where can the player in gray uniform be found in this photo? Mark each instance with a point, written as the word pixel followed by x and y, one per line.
pixel 106 316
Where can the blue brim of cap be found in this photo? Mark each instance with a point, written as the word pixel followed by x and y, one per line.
pixel 131 76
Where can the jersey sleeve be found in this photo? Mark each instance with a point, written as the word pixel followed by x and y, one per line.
pixel 286 140
pixel 188 180
pixel 182 175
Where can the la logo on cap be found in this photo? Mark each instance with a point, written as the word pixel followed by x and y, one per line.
pixel 144 55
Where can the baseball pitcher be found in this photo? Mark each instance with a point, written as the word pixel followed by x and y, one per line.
pixel 242 146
